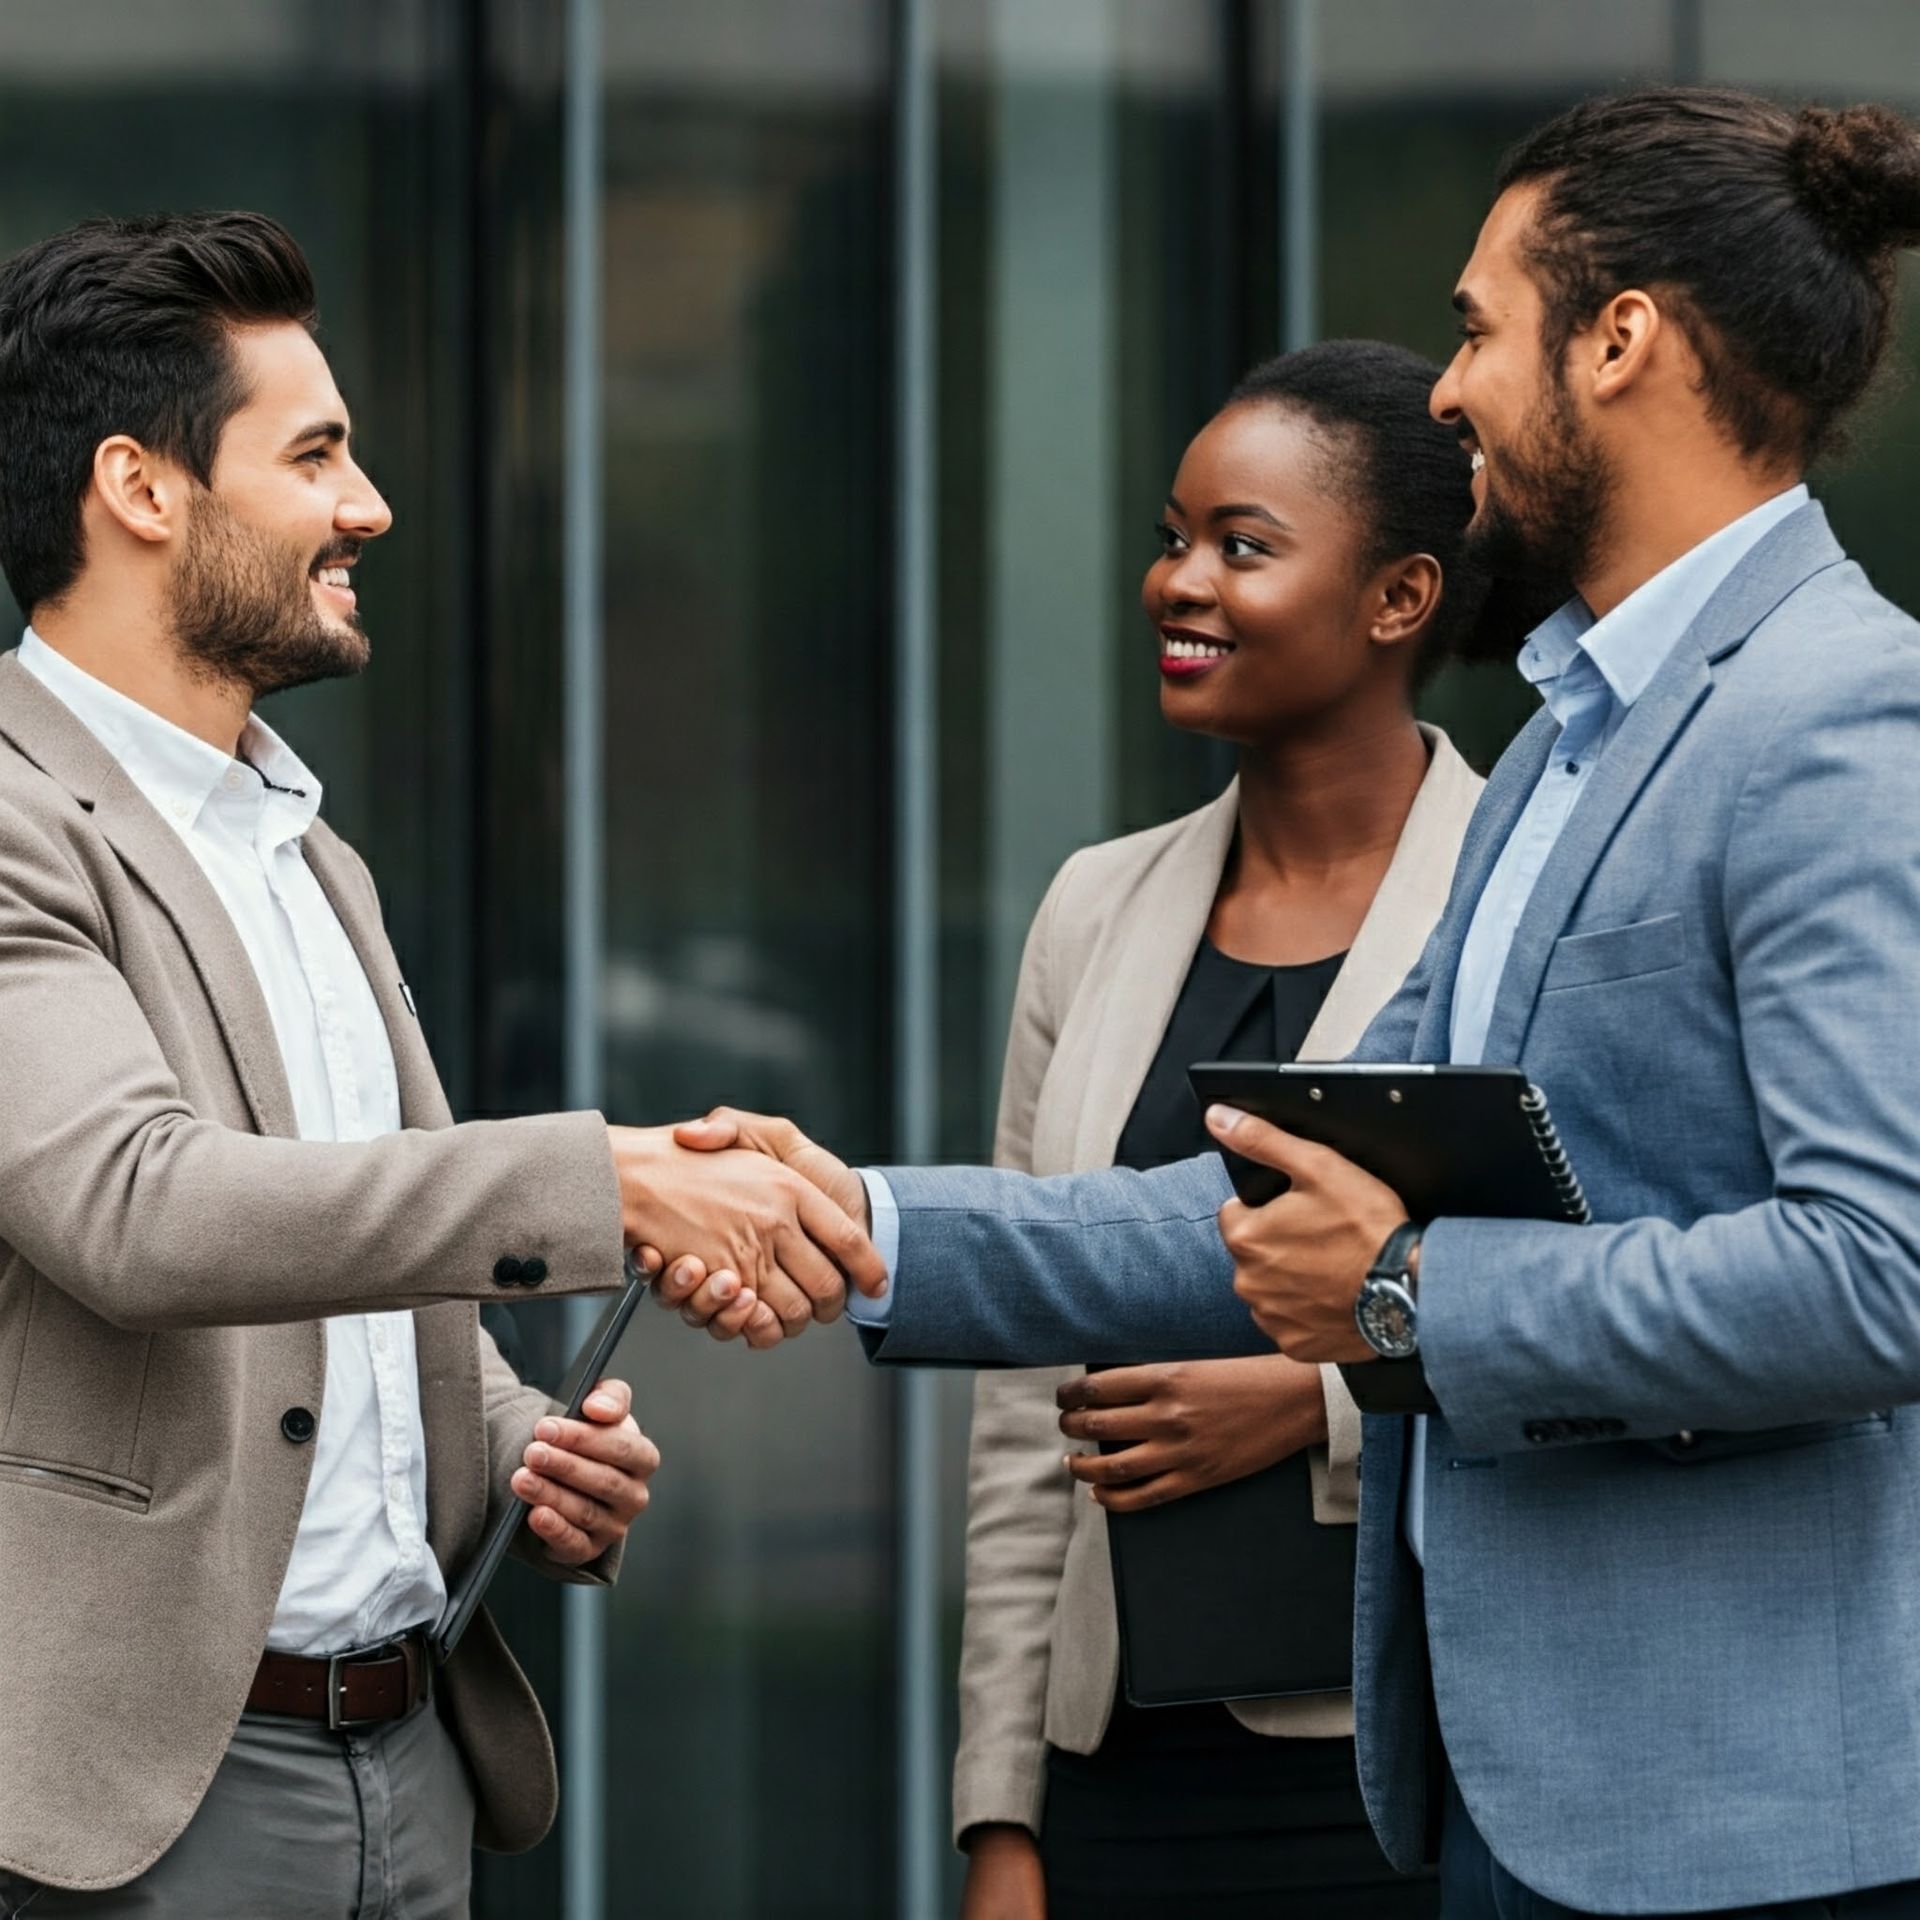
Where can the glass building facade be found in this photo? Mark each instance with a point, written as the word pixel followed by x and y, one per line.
pixel 755 638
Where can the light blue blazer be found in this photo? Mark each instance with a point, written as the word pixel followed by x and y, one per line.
pixel 1672 1585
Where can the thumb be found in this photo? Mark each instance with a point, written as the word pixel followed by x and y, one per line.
pixel 709 1135
pixel 1260 1140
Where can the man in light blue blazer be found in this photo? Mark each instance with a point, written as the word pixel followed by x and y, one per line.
pixel 1654 1572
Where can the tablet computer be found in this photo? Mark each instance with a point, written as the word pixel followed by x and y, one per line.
pixel 589 1364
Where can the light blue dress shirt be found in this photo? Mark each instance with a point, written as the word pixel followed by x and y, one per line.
pixel 1589 673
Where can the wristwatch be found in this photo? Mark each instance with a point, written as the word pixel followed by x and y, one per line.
pixel 1386 1312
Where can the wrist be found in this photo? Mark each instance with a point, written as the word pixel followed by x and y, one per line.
pixel 1386 1310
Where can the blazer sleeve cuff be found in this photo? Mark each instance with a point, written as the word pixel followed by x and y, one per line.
pixel 998 1789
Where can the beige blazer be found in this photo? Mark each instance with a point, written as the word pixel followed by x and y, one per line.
pixel 166 1248
pixel 1109 948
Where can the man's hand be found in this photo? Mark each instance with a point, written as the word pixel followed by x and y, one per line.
pixel 1192 1424
pixel 586 1480
pixel 742 1214
pixel 709 1297
pixel 1300 1260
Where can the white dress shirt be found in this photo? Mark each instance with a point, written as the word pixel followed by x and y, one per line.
pixel 1589 672
pixel 360 1570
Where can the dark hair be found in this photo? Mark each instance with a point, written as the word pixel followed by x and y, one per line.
pixel 121 326
pixel 1408 479
pixel 1771 232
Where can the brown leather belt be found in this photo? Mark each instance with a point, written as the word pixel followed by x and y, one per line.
pixel 360 1688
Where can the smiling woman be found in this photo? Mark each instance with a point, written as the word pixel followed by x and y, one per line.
pixel 1311 574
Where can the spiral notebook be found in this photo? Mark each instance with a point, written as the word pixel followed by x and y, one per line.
pixel 1473 1142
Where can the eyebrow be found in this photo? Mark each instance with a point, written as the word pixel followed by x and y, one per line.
pixel 1242 510
pixel 1467 306
pixel 334 432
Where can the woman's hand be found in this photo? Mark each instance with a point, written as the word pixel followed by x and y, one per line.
pixel 1192 1424
pixel 1004 1876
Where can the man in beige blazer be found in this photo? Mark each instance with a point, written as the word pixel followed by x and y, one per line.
pixel 249 1422
pixel 1110 946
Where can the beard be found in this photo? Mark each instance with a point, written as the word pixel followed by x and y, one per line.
pixel 1542 519
pixel 243 609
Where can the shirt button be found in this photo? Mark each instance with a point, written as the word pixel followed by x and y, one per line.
pixel 179 809
pixel 234 778
pixel 1573 766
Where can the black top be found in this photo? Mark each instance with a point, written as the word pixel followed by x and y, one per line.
pixel 1228 1010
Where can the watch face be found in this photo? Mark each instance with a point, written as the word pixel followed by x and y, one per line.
pixel 1387 1319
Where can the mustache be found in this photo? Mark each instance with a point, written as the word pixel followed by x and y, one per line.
pixel 339 553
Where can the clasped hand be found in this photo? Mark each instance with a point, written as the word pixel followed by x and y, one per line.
pixel 753 1230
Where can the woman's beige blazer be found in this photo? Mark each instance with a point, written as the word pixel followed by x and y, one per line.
pixel 1104 963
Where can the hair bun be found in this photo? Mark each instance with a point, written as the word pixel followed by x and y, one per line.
pixel 1857 171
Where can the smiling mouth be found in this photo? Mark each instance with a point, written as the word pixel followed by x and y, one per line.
pixel 1183 654
pixel 1478 461
pixel 333 577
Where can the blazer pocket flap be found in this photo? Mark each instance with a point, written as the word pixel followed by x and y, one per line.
pixel 1617 953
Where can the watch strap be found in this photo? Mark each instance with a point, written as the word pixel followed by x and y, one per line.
pixel 1395 1256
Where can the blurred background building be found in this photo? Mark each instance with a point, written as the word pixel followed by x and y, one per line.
pixel 875 329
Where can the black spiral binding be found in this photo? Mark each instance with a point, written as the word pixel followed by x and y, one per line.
pixel 1546 1136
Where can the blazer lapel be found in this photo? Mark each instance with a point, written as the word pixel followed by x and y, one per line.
pixel 423 1101
pixel 1410 900
pixel 1145 960
pixel 40 725
pixel 1501 803
pixel 1788 556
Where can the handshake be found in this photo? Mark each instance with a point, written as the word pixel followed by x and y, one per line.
pixel 753 1230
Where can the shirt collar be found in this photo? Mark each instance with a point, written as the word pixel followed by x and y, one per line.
pixel 1631 644
pixel 177 772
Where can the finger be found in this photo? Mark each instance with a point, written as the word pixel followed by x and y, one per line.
pixel 620 1446
pixel 717 1290
pixel 764 1329
pixel 1113 1423
pixel 851 1252
pixel 679 1281
pixel 570 1545
pixel 1256 1139
pixel 541 1490
pixel 1120 1469
pixel 707 1136
pixel 731 1322
pixel 813 1276
pixel 786 1299
pixel 614 1487
pixel 1146 1493
pixel 609 1402
pixel 1110 1387
pixel 651 1259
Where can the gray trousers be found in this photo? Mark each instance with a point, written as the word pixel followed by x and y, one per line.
pixel 303 1824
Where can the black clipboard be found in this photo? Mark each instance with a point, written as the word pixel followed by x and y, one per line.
pixel 589 1364
pixel 1475 1142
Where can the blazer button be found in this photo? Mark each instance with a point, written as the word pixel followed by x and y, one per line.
pixel 507 1271
pixel 533 1271
pixel 298 1425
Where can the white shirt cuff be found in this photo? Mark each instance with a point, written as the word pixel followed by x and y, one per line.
pixel 863 1310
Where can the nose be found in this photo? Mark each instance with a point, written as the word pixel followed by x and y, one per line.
pixel 1444 402
pixel 362 511
pixel 1184 580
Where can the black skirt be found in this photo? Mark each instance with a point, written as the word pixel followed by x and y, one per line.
pixel 1184 1814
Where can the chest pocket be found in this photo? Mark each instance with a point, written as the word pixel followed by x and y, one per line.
pixel 1616 953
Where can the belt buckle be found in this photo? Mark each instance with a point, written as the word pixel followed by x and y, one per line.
pixel 339 1721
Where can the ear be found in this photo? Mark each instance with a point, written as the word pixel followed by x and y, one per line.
pixel 143 495
pixel 1405 593
pixel 1617 347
